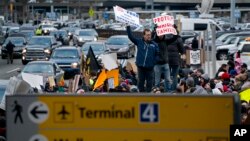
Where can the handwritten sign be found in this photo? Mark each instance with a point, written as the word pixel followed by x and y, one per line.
pixel 195 57
pixel 125 16
pixel 165 25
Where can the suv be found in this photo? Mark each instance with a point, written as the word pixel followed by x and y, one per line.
pixel 222 51
pixel 84 35
pixel 244 53
pixel 39 48
pixel 67 58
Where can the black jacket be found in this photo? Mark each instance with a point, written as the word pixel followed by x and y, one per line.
pixel 10 47
pixel 195 44
pixel 175 48
pixel 163 54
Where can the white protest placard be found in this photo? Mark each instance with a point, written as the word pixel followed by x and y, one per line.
pixel 195 57
pixel 110 61
pixel 35 81
pixel 111 83
pixel 125 16
pixel 15 86
pixel 165 25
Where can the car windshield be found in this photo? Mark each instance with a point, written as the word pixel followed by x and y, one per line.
pixel 40 41
pixel 95 47
pixel 39 68
pixel 118 41
pixel 47 26
pixel 230 40
pixel 57 33
pixel 2 91
pixel 86 33
pixel 65 53
pixel 28 34
pixel 223 36
pixel 15 41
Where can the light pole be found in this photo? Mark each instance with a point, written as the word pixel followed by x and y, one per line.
pixel 232 16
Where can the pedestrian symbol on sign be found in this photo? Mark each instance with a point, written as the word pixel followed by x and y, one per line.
pixel 149 112
pixel 18 110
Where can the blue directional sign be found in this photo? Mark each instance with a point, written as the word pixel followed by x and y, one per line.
pixel 237 13
pixel 149 112
pixel 105 16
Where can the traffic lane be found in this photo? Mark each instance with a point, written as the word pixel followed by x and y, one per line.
pixel 9 70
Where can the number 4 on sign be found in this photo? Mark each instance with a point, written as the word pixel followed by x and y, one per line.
pixel 149 112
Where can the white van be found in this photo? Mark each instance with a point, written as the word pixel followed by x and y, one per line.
pixel 191 23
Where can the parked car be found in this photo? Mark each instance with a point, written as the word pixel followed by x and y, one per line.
pixel 43 68
pixel 68 59
pixel 71 31
pixel 187 34
pixel 98 48
pixel 47 28
pixel 244 53
pixel 63 34
pixel 121 45
pixel 3 85
pixel 39 48
pixel 84 35
pixel 28 34
pixel 231 44
pixel 19 43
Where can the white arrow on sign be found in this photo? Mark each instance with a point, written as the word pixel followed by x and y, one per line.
pixel 38 138
pixel 38 112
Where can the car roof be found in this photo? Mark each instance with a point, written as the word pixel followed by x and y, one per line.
pixel 122 36
pixel 66 48
pixel 41 62
pixel 95 42
pixel 42 36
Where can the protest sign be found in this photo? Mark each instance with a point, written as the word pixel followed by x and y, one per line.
pixel 124 16
pixel 195 57
pixel 110 61
pixel 51 81
pixel 165 25
pixel 15 86
pixel 35 81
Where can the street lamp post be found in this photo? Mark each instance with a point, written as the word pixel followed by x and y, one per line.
pixel 232 16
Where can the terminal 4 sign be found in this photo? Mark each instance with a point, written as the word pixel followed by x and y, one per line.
pixel 118 117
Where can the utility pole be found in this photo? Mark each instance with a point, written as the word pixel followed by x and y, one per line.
pixel 232 16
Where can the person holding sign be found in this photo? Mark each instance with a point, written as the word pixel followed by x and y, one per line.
pixel 162 65
pixel 147 53
pixel 175 50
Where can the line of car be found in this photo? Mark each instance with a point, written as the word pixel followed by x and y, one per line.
pixel 56 47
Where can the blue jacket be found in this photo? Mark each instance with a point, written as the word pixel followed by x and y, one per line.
pixel 147 52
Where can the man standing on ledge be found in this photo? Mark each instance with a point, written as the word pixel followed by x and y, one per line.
pixel 147 54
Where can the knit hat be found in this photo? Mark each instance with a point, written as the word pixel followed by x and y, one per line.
pixel 244 65
pixel 190 82
pixel 233 73
pixel 225 75
pixel 205 77
pixel 220 74
pixel 200 70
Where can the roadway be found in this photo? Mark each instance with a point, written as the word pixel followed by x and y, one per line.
pixel 9 70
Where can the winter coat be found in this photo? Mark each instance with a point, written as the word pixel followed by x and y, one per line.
pixel 147 52
pixel 175 48
pixel 163 55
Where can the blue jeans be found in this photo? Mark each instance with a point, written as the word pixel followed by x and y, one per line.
pixel 145 75
pixel 174 71
pixel 159 69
